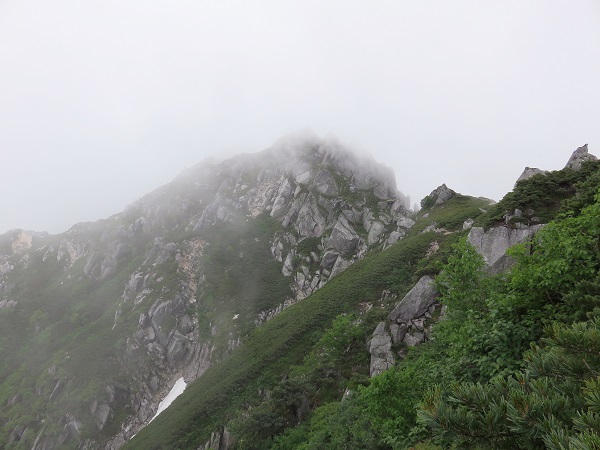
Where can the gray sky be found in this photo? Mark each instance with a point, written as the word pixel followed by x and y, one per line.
pixel 102 101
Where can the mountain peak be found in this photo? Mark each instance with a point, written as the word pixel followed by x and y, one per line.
pixel 363 172
pixel 578 157
pixel 528 172
pixel 438 196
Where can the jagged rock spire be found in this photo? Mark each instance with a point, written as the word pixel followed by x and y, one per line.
pixel 528 172
pixel 441 194
pixel 578 157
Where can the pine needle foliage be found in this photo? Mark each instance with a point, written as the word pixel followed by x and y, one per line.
pixel 554 402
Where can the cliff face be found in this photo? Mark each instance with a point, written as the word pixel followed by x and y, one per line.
pixel 102 319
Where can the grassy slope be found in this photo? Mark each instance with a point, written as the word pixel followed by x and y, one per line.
pixel 287 338
pixel 59 323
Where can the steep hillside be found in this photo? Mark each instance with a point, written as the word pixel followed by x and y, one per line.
pixel 99 322
pixel 302 381
pixel 285 348
pixel 294 292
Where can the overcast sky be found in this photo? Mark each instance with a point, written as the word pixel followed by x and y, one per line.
pixel 102 101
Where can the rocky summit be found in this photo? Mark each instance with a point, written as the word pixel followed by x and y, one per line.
pixel 579 156
pixel 99 321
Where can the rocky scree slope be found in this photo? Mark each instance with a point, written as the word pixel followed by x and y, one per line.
pixel 99 321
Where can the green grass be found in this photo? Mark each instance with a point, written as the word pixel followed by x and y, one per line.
pixel 273 347
pixel 65 319
pixel 64 323
pixel 452 214
pixel 240 277
pixel 270 350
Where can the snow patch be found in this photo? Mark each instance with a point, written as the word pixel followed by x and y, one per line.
pixel 175 392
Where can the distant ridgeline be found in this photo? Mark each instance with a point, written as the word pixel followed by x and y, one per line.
pixel 306 306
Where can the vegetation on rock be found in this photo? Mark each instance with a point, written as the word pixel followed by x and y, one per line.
pixel 268 279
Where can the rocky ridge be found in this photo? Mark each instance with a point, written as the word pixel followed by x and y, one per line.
pixel 409 324
pixel 331 205
pixel 577 158
pixel 149 268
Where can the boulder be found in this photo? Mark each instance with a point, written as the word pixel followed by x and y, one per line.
pixel 219 440
pixel 329 259
pixel 310 222
pixel 166 252
pixel 159 312
pixel 283 196
pixel 352 214
pixel 276 250
pixel 405 222
pixel 380 348
pixel 176 349
pixel 302 172
pixel 101 415
pixel 340 265
pixel 185 324
pixel 117 392
pixel 115 253
pixel 343 238
pixel 414 338
pixel 288 265
pixel 72 429
pixel 325 184
pixel 375 232
pixel 223 213
pixel 416 302
pixel 294 209
pixel 137 282
pixel 383 191
pixel 8 304
pixel 394 237
pixel 398 332
pixel 494 243
pixel 441 194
